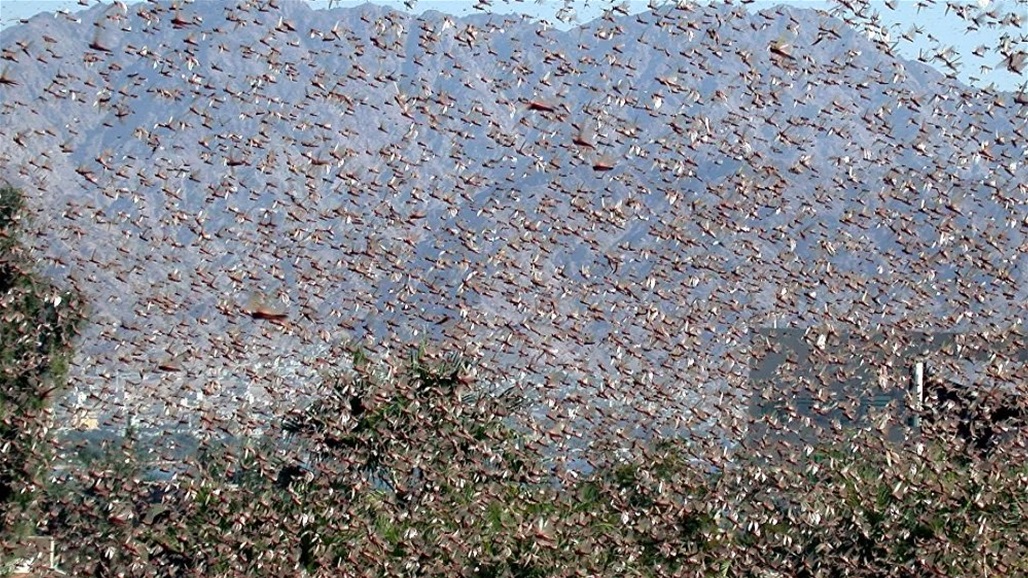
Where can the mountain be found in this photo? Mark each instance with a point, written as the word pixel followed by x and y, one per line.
pixel 600 215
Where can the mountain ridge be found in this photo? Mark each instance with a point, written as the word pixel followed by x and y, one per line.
pixel 614 204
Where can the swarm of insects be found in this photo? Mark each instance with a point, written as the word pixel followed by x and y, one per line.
pixel 695 289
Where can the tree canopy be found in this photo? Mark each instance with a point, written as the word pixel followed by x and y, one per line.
pixel 38 322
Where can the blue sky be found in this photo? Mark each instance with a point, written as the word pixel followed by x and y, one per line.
pixel 931 16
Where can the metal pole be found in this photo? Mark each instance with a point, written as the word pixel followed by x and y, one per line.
pixel 918 392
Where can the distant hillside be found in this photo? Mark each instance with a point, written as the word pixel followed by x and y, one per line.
pixel 608 210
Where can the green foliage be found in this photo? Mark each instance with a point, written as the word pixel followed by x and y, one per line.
pixel 871 508
pixel 409 443
pixel 37 325
pixel 407 430
pixel 11 207
pixel 413 471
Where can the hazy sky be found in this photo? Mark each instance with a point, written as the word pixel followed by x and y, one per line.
pixel 931 16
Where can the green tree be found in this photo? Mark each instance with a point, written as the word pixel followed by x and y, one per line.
pixel 38 322
pixel 421 452
pixel 870 508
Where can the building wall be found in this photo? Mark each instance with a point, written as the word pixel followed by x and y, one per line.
pixel 812 384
